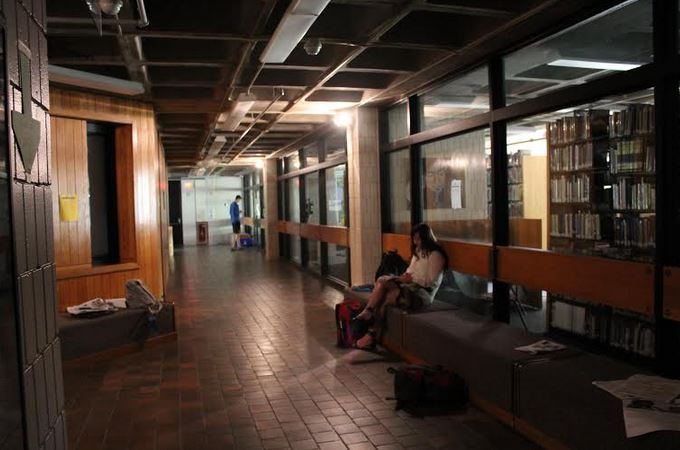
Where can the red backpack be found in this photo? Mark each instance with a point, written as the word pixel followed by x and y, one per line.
pixel 349 330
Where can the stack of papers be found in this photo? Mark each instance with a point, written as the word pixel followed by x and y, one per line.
pixel 650 403
pixel 97 305
pixel 542 346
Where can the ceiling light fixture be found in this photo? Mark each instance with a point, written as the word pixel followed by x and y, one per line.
pixel 342 119
pixel 237 112
pixel 597 65
pixel 294 24
pixel 259 164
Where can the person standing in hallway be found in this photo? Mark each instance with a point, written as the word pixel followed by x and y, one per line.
pixel 235 215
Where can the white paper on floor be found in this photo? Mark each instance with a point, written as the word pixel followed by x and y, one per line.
pixel 658 396
pixel 542 346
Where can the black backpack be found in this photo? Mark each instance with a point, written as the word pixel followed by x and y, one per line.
pixel 417 387
pixel 391 264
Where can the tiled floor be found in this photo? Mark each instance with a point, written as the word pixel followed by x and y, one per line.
pixel 255 366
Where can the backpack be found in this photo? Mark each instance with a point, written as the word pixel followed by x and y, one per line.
pixel 391 264
pixel 417 386
pixel 349 330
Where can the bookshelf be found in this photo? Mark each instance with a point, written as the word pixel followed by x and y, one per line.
pixel 601 199
pixel 515 184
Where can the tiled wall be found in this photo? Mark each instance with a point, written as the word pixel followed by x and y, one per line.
pixel 43 396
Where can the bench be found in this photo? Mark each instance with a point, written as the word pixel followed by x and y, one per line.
pixel 549 398
pixel 82 337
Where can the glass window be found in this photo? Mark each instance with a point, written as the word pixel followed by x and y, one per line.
pixel 397 122
pixel 338 262
pixel 257 203
pixel 257 177
pixel 336 210
pixel 336 144
pixel 528 309
pixel 293 199
pixel 463 97
pixel 295 249
pixel 314 256
pixel 618 39
pixel 400 191
pixel 283 213
pixel 311 154
pixel 455 195
pixel 465 291
pixel 596 165
pixel 292 163
pixel 311 207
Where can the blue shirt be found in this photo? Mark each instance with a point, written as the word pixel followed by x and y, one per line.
pixel 235 213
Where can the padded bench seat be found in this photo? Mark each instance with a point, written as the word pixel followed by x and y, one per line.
pixel 86 336
pixel 482 351
pixel 558 398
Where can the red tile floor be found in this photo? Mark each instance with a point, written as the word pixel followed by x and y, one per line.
pixel 255 367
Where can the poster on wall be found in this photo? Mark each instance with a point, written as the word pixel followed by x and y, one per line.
pixel 444 185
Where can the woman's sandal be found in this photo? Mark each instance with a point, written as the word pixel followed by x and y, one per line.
pixel 370 347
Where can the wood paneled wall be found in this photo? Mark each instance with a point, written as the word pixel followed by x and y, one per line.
pixel 141 216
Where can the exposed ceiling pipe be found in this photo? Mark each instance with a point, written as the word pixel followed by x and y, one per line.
pixel 72 77
pixel 143 19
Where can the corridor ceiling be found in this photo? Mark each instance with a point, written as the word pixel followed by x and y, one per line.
pixel 197 57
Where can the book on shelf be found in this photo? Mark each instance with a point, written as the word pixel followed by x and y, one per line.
pixel 570 189
pixel 633 155
pixel 635 231
pixel 576 225
pixel 571 157
pixel 583 125
pixel 634 120
pixel 631 194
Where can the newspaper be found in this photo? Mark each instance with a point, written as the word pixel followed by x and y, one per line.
pixel 542 346
pixel 97 305
pixel 650 403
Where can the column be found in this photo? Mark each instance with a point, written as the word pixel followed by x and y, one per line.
pixel 363 170
pixel 271 209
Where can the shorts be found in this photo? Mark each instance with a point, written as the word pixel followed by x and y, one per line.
pixel 236 227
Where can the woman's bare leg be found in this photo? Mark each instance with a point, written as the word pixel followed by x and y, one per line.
pixel 374 299
pixel 390 298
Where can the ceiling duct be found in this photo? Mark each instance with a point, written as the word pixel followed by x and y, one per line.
pixel 216 146
pixel 72 77
pixel 231 119
pixel 298 19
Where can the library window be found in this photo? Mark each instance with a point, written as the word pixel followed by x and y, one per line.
pixel 582 180
pixel 292 163
pixel 293 199
pixel 400 191
pixel 619 39
pixel 338 262
pixel 311 155
pixel 456 195
pixel 397 122
pixel 314 256
pixel 336 145
pixel 336 209
pixel 311 206
pixel 461 98
pixel 295 248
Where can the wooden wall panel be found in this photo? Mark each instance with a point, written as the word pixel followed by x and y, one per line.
pixel 69 150
pixel 621 284
pixel 335 235
pixel 671 293
pixel 143 169
pixel 310 231
pixel 126 191
pixel 465 257
pixel 324 233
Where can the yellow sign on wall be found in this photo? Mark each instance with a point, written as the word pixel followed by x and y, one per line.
pixel 68 208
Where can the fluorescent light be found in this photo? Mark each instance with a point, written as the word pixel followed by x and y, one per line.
pixel 598 65
pixel 297 20
pixel 259 164
pixel 342 119
pixel 72 77
pixel 237 112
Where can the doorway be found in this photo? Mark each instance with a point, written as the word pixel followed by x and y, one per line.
pixel 175 212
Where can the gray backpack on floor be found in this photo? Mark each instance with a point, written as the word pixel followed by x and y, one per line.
pixel 138 295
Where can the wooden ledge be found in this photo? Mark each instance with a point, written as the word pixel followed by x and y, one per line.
pixel 66 273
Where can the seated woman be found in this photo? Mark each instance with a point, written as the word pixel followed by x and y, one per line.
pixel 413 290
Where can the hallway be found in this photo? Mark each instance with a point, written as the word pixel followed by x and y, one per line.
pixel 254 366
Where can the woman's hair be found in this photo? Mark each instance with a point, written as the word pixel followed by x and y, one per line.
pixel 428 241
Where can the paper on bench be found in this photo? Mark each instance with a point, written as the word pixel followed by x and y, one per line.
pixel 542 346
pixel 639 421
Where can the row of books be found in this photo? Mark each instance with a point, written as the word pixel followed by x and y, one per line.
pixel 615 328
pixel 632 155
pixel 576 225
pixel 583 125
pixel 570 189
pixel 571 157
pixel 631 194
pixel 634 120
pixel 634 231
pixel 516 209
pixel 515 174
pixel 515 192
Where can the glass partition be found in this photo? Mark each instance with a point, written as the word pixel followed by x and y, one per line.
pixel 311 154
pixel 584 178
pixel 400 191
pixel 336 209
pixel 338 262
pixel 470 292
pixel 336 144
pixel 455 192
pixel 463 97
pixel 295 249
pixel 616 40
pixel 311 206
pixel 292 163
pixel 293 200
